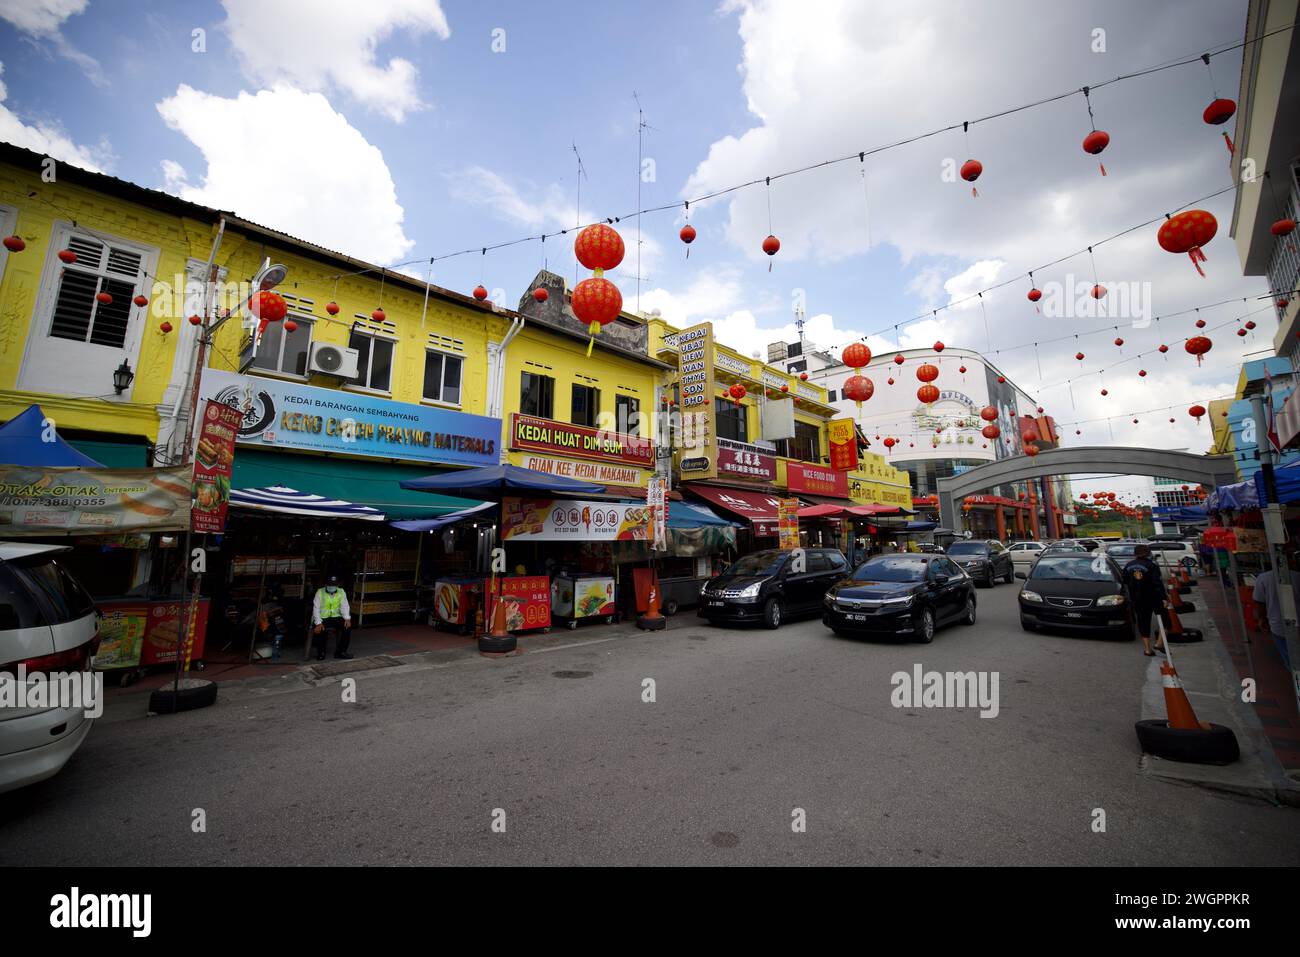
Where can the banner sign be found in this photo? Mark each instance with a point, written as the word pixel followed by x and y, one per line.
pixel 594 472
pixel 555 520
pixel 289 415
pixel 121 634
pixel 746 461
pixel 543 435
pixel 49 501
pixel 816 481
pixel 656 499
pixel 865 491
pixel 527 599
pixel 787 522
pixel 214 462
pixel 844 445
pixel 699 453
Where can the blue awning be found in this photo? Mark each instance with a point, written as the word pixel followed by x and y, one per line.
pixel 433 524
pixel 288 501
pixel 500 479
pixel 1288 484
pixel 690 515
pixel 22 442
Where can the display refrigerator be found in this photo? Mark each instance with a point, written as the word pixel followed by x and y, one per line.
pixel 583 597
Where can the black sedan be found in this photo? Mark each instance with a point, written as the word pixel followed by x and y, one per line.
pixel 906 595
pixel 769 586
pixel 985 560
pixel 1079 592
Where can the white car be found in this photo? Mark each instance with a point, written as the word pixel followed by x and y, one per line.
pixel 1023 554
pixel 1174 556
pixel 48 624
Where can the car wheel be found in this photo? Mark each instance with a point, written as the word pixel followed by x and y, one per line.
pixel 969 618
pixel 772 613
pixel 1011 575
pixel 670 609
pixel 925 627
pixel 991 581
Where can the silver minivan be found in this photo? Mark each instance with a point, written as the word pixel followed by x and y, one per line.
pixel 48 625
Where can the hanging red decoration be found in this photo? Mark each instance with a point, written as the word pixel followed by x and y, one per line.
pixel 961 369
pixel 599 247
pixel 990 431
pixel 1098 291
pixel 1094 143
pixel 540 294
pixel 195 321
pixel 1031 450
pixel 267 306
pixel 480 293
pixel 290 326
pixel 1283 227
pixel 378 315
pixel 803 377
pixel 1034 294
pixel 1030 436
pixel 596 302
pixel 1142 373
pixel 164 327
pixel 15 243
pixel 970 171
pixel 67 256
pixel 1104 392
pixel 1163 348
pixel 1219 112
pixel 856 355
pixel 1002 379
pixel 105 298
pixel 141 301
pixel 1241 332
pixel 926 372
pixel 1079 356
pixel 1187 232
pixel 938 347
pixel 858 388
pixel 1198 346
pixel 898 359
pixel 687 235
pixel 737 392
pixel 1119 341
pixel 771 245
pixel 1200 323
pixel 1196 412
pixel 890 380
pixel 890 443
pixel 989 414
pixel 927 393
pixel 332 307
pixel 784 387
pixel 1250 323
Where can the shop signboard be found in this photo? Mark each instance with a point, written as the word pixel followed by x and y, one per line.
pixel 844 445
pixel 698 456
pixel 740 460
pixel 787 522
pixel 50 501
pixel 815 480
pixel 162 632
pixel 656 500
pixel 527 599
pixel 530 433
pixel 564 520
pixel 121 634
pixel 291 415
pixel 598 473
pixel 865 491
pixel 1249 539
pixel 214 462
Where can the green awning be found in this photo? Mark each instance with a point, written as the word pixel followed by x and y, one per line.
pixel 364 483
pixel 113 455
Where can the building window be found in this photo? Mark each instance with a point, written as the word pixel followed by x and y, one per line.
pixel 793 349
pixel 442 377
pixel 627 412
pixel 586 405
pixel 800 366
pixel 730 420
pixel 537 396
pixel 830 395
pixel 374 361
pixel 78 315
pixel 805 446
pixel 279 351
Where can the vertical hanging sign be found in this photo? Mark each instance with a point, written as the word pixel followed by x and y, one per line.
pixel 844 445
pixel 698 457
pixel 214 460
pixel 787 519
pixel 657 501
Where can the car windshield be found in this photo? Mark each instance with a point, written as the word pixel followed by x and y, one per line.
pixel 968 548
pixel 756 563
pixel 891 570
pixel 1071 568
pixel 1121 551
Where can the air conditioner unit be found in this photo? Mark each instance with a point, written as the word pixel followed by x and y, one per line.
pixel 333 360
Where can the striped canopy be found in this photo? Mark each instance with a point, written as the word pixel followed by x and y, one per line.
pixel 288 501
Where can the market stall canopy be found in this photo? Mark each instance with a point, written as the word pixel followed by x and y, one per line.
pixel 921 526
pixel 498 479
pixel 689 515
pixel 288 501
pixel 433 524
pixel 1237 497
pixel 1288 484
pixel 823 511
pixel 22 442
pixel 874 510
pixel 375 484
pixel 759 508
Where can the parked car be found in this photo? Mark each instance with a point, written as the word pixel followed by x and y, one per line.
pixel 905 595
pixel 1091 544
pixel 1063 546
pixel 48 623
pixel 929 548
pixel 1120 552
pixel 1024 553
pixel 1172 556
pixel 985 560
pixel 764 587
pixel 1075 591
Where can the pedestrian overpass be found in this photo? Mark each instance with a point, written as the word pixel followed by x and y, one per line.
pixel 1208 470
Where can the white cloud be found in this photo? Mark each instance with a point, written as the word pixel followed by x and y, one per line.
pixel 483 187
pixel 333 44
pixel 50 139
pixel 340 195
pixel 41 20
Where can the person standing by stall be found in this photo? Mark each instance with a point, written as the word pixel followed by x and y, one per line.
pixel 330 612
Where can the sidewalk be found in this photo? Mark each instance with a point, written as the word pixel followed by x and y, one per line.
pixel 1211 672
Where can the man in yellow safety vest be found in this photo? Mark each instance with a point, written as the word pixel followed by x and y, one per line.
pixel 330 613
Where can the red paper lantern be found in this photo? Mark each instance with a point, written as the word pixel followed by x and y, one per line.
pixel 599 247
pixel 378 315
pixel 990 431
pixel 540 294
pixel 926 372
pixel 989 414
pixel 1187 232
pixel 104 297
pixel 784 387
pixel 332 308
pixel 890 380
pixel 1031 450
pixel 1241 332
pixel 1029 436
pixel 141 301
pixel 1200 323
pixel 927 393
pixel 267 306
pixel 803 377
pixel 687 235
pixel 1104 392
pixel 1119 341
pixel 15 243
pixel 1283 227
pixel 596 302
pixel 1164 348
pixel 480 293
pixel 898 359
pixel 1198 346
pixel 938 347
pixel 737 392
pixel 68 256
pixel 1094 143
pixel 165 327
pixel 970 171
pixel 858 388
pixel 856 355
pixel 890 443
pixel 1142 373
pixel 771 245
pixel 1098 291
pixel 961 369
pixel 290 326
pixel 1035 294
pixel 1219 112
pixel 1002 379
pixel 1196 412
pixel 1079 356
pixel 1250 323
pixel 195 321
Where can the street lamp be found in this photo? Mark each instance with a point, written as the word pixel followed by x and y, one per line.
pixel 122 377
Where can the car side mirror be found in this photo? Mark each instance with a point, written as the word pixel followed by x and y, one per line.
pixel 1022 576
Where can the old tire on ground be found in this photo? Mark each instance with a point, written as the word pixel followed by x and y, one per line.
pixel 1215 745
pixel 497 646
pixel 192 693
pixel 1186 608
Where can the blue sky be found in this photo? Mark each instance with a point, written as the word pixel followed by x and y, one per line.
pixel 393 131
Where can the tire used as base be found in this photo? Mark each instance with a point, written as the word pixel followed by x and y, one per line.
pixel 192 693
pixel 497 646
pixel 1213 745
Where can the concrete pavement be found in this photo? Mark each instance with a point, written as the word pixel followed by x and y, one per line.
pixel 748 727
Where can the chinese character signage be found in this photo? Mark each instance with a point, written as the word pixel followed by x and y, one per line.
pixel 527 599
pixel 656 500
pixel 787 522
pixel 214 462
pixel 844 445
pixel 698 453
pixel 739 460
pixel 555 520
pixel 543 435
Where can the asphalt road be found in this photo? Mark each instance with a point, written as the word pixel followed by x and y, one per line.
pixel 747 726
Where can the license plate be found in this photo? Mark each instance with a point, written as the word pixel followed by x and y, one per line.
pixel 855 617
pixel 1074 614
pixel 716 604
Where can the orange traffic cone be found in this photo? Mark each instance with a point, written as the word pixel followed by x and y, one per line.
pixel 499 629
pixel 1177 705
pixel 652 620
pixel 1177 633
pixel 1176 601
pixel 499 641
pixel 1187 579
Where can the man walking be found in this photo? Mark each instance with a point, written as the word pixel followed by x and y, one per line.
pixel 1146 591
pixel 1268 605
pixel 330 612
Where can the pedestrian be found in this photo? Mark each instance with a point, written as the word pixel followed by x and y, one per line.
pixel 1147 593
pixel 330 613
pixel 1268 604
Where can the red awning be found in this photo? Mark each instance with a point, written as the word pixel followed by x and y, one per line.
pixel 758 507
pixel 871 510
pixel 822 511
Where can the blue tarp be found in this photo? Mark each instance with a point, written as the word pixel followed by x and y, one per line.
pixel 1182 514
pixel 499 479
pixel 433 524
pixel 921 526
pixel 690 515
pixel 1237 497
pixel 1288 484
pixel 22 442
